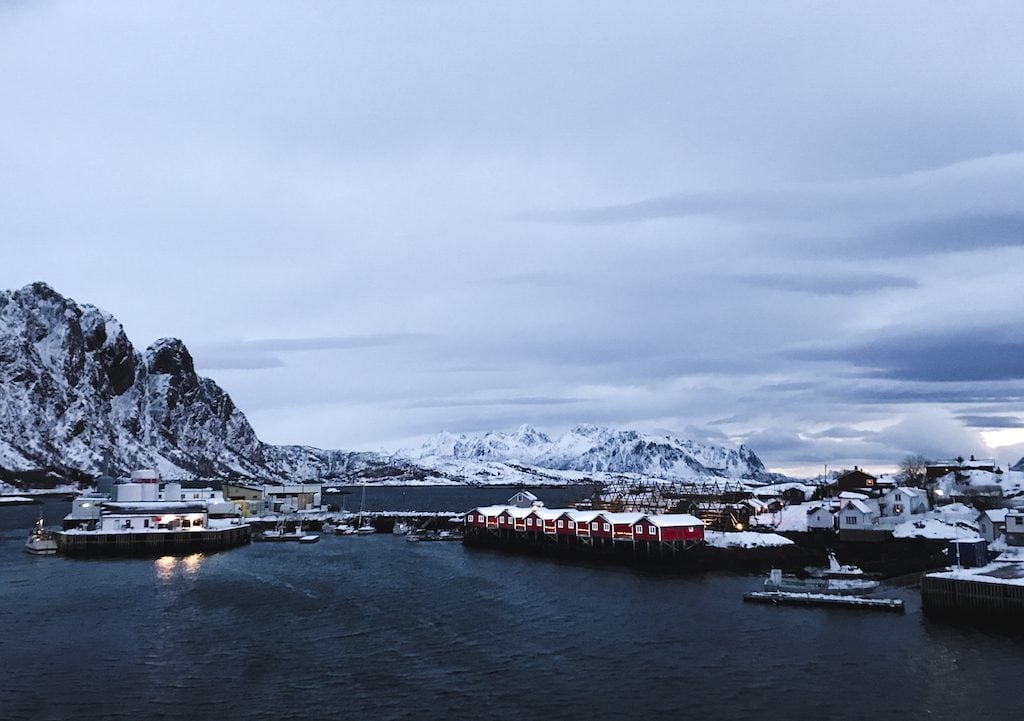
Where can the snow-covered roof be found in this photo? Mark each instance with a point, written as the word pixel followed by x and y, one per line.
pixel 627 518
pixel 859 505
pixel 524 494
pixel 673 520
pixel 996 515
pixel 585 516
pixel 853 494
pixel 815 509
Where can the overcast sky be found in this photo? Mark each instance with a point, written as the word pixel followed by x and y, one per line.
pixel 798 226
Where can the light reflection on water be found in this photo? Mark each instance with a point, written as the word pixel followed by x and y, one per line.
pixel 169 566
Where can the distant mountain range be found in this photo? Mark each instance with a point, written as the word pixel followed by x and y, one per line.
pixel 586 451
pixel 78 400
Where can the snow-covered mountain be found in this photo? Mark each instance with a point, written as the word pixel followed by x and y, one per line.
pixel 587 450
pixel 77 400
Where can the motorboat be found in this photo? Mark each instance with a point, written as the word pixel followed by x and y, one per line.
pixel 279 534
pixel 41 542
pixel 309 538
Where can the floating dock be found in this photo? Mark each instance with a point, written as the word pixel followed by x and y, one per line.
pixel 787 598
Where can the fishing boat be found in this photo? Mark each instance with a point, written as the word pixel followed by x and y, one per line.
pixel 776 581
pixel 837 570
pixel 41 542
pixel 279 534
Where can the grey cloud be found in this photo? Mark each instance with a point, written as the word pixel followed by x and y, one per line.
pixel 832 284
pixel 492 402
pixel 285 345
pixel 943 234
pixel 974 354
pixel 260 354
pixel 992 421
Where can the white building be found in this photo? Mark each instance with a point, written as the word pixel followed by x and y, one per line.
pixel 821 518
pixel 858 515
pixel 992 523
pixel 902 501
pixel 1015 528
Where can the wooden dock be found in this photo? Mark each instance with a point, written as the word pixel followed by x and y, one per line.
pixel 823 599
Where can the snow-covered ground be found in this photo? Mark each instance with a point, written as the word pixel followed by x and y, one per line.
pixel 953 521
pixel 744 539
pixel 789 519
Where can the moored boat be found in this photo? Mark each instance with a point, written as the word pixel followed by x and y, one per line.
pixel 776 581
pixel 41 542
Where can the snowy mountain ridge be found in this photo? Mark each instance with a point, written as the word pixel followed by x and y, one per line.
pixel 589 449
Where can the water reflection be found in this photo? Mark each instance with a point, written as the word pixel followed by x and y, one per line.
pixel 187 566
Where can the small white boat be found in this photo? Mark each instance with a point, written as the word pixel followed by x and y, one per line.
pixel 309 538
pixel 41 542
pixel 279 534
pixel 402 528
pixel 366 529
pixel 837 570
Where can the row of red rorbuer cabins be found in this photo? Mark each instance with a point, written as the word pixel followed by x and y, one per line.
pixel 676 528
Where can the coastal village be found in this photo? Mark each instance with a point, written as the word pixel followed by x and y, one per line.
pixel 959 522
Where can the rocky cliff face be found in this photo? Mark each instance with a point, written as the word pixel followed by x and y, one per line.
pixel 76 400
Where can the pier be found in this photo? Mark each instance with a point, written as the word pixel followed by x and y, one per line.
pixel 154 543
pixel 823 599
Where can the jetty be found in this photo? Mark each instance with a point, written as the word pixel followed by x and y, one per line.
pixel 788 598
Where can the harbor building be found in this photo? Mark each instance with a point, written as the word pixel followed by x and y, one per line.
pixel 141 517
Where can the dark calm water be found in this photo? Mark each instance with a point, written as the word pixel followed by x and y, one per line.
pixel 377 628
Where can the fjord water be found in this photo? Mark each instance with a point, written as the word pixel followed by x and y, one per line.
pixel 374 627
